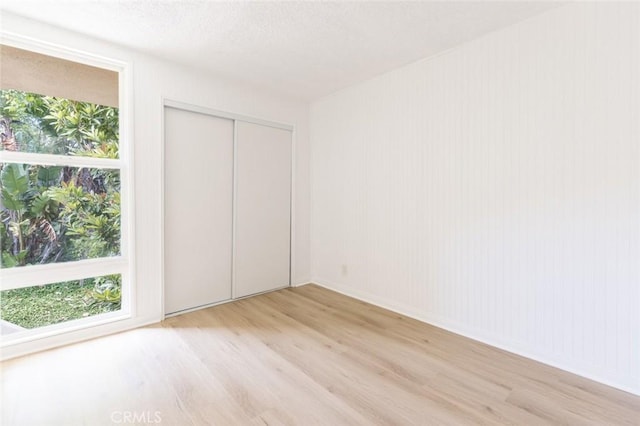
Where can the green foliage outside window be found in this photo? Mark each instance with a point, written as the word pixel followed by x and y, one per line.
pixel 59 213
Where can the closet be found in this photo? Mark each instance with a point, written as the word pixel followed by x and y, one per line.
pixel 227 207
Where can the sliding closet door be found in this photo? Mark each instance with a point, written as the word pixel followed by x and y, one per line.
pixel 263 219
pixel 198 209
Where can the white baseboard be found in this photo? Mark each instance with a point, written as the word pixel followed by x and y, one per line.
pixel 474 334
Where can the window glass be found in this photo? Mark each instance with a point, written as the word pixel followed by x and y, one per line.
pixel 39 306
pixel 58 214
pixel 47 125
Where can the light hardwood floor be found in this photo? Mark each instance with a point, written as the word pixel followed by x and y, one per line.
pixel 298 356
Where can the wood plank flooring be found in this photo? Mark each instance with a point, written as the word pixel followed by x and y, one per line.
pixel 300 356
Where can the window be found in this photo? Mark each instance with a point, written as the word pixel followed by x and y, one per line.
pixel 64 211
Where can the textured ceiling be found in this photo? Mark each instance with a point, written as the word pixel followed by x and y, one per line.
pixel 300 49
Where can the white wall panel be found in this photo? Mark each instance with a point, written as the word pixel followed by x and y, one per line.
pixel 494 190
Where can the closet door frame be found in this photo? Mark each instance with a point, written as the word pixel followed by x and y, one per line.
pixel 170 103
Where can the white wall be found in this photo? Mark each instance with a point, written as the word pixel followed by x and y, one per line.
pixel 494 190
pixel 154 79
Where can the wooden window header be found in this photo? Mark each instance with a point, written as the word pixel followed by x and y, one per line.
pixel 46 75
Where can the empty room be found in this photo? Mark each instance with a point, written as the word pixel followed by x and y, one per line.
pixel 319 212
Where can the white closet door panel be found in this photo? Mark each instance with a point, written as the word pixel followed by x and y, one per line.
pixel 263 219
pixel 198 209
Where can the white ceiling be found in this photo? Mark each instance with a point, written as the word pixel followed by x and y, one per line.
pixel 300 49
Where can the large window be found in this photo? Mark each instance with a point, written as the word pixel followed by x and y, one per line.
pixel 64 210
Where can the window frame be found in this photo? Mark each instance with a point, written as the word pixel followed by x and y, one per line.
pixel 124 264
